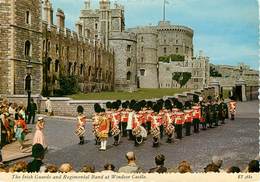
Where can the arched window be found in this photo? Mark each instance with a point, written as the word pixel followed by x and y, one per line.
pixel 165 50
pixel 75 68
pixel 81 69
pixel 128 62
pixel 142 48
pixel 43 45
pixel 28 48
pixel 49 64
pixel 49 46
pixel 128 75
pixel 177 49
pixel 89 70
pixel 69 69
pixel 57 64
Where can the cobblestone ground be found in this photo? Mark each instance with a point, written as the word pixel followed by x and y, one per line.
pixel 237 142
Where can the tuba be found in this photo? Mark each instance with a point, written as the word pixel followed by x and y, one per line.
pixel 115 131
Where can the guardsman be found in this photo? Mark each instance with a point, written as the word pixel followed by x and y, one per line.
pixel 103 129
pixel 168 122
pixel 210 112
pixel 109 108
pixel 232 108
pixel 124 118
pixel 155 130
pixel 221 111
pixel 196 117
pixel 188 117
pixel 203 118
pixel 95 117
pixel 216 111
pixel 149 111
pixel 82 119
pixel 115 121
pixel 179 120
pixel 137 121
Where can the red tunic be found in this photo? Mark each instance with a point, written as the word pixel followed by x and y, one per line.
pixel 124 116
pixel 232 106
pixel 179 118
pixel 196 112
pixel 149 116
pixel 188 116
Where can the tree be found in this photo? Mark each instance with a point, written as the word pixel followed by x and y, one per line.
pixel 181 77
pixel 68 85
pixel 214 72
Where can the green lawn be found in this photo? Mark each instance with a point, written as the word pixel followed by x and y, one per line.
pixel 138 95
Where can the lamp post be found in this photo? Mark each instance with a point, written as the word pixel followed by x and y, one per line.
pixel 28 83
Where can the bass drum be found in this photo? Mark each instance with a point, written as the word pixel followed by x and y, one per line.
pixel 143 132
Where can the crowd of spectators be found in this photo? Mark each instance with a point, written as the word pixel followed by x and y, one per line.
pixel 37 165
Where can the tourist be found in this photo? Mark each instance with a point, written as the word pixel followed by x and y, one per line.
pixel 51 168
pixel 39 135
pixel 218 162
pixel 21 130
pixel 233 169
pixel 184 167
pixel 88 169
pixel 48 106
pixel 211 168
pixel 81 123
pixel 20 166
pixel 22 111
pixel 32 111
pixel 159 161
pixel 131 166
pixel 66 168
pixel 38 154
pixel 109 168
pixel 253 166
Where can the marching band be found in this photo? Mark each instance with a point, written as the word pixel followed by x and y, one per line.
pixel 137 120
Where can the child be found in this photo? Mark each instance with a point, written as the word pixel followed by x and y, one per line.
pixel 21 130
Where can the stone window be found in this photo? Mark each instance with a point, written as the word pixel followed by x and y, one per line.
pixel 142 39
pixel 142 72
pixel 177 50
pixel 177 41
pixel 28 17
pixel 128 48
pixel 81 69
pixel 69 69
pixel 75 68
pixel 165 50
pixel 128 62
pixel 142 49
pixel 128 76
pixel 57 49
pixel 142 59
pixel 49 64
pixel 28 49
pixel 49 46
pixel 164 41
pixel 196 80
pixel 57 64
pixel 96 26
pixel 43 44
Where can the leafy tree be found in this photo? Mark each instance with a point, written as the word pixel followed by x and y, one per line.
pixel 214 72
pixel 181 77
pixel 68 85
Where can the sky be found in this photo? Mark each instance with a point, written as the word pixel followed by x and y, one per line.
pixel 225 30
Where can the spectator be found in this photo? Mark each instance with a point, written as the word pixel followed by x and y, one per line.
pixel 48 107
pixel 21 130
pixel 39 136
pixel 159 161
pixel 253 166
pixel 131 167
pixel 109 168
pixel 88 169
pixel 51 169
pixel 19 167
pixel 233 169
pixel 32 110
pixel 218 162
pixel 184 167
pixel 38 155
pixel 211 168
pixel 66 168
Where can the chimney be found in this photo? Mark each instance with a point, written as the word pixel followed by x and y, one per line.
pixel 60 19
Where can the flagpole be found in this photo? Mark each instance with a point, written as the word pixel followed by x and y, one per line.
pixel 163 10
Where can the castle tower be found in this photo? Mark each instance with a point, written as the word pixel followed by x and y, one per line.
pixel 21 43
pixel 87 4
pixel 48 12
pixel 104 21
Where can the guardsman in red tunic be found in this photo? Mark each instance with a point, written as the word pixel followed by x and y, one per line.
pixel 160 119
pixel 115 121
pixel 179 120
pixel 155 130
pixel 196 117
pixel 188 117
pixel 137 122
pixel 103 129
pixel 124 118
pixel 149 113
pixel 232 108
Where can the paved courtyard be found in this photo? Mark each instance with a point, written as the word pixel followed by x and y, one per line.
pixel 236 141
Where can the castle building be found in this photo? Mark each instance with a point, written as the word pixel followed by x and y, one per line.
pixel 28 35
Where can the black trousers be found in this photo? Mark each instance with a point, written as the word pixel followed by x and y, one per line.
pixel 148 127
pixel 179 131
pixel 187 125
pixel 130 135
pixel 161 131
pixel 31 117
pixel 123 129
pixel 196 125
pixel 232 117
